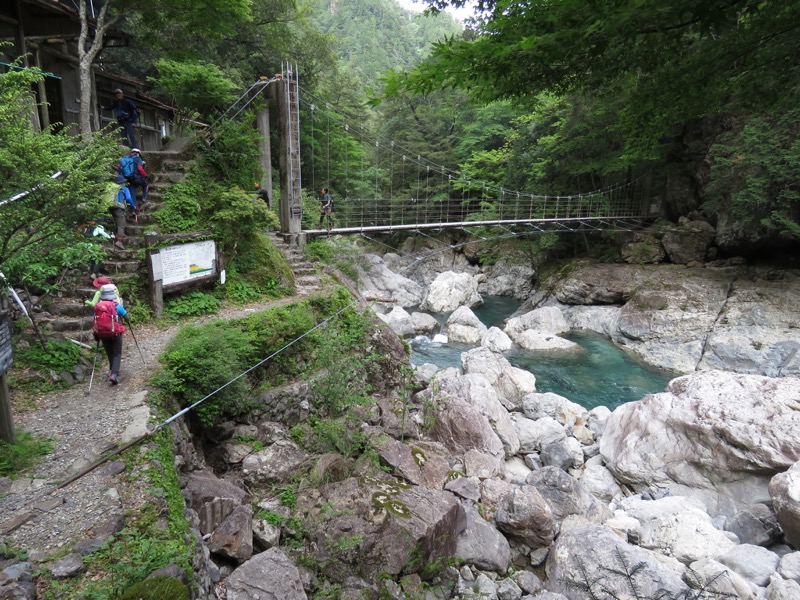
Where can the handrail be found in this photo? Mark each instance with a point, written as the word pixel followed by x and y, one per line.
pixel 21 195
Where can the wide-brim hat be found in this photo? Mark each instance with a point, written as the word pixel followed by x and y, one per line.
pixel 108 292
pixel 101 281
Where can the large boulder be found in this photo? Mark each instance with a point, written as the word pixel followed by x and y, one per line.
pixel 268 575
pixel 688 242
pixel 758 333
pixel 478 393
pixel 275 463
pixel 400 322
pixel 482 545
pixel 643 248
pixel 525 515
pixel 449 291
pixel 712 435
pixel 464 327
pixel 594 555
pixel 461 428
pixel 784 490
pixel 414 464
pixel 503 279
pixel 370 527
pixel 677 527
pixel 548 319
pixel 212 498
pixel 565 496
pixel 377 281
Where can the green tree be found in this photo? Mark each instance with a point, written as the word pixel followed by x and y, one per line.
pixel 755 175
pixel 678 60
pixel 40 212
pixel 192 87
pixel 211 18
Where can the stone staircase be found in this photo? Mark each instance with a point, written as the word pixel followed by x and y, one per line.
pixel 306 276
pixel 126 268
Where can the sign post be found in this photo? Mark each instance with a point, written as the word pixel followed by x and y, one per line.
pixel 180 266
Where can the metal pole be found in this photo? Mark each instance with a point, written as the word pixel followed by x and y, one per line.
pixel 135 341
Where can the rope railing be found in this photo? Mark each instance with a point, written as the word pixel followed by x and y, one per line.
pixel 385 213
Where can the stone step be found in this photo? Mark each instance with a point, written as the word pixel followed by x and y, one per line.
pixel 69 309
pixel 307 281
pixel 166 177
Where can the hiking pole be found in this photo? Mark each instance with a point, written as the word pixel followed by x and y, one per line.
pixel 94 362
pixel 144 364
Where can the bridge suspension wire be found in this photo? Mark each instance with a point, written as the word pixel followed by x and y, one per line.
pixel 424 162
pixel 431 204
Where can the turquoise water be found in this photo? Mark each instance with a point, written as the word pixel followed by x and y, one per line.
pixel 600 375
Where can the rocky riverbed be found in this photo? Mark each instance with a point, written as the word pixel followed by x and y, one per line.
pixel 479 486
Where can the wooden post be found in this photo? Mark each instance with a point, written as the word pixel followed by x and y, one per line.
pixel 156 291
pixel 7 433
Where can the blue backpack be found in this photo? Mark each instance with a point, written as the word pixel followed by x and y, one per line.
pixel 127 166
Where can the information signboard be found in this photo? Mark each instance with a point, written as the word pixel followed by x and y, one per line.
pixel 186 262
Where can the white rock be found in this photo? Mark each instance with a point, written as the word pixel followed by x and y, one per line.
pixel 679 527
pixel 424 323
pixel 464 327
pixel 449 291
pixel 496 340
pixel 537 340
pixel 548 319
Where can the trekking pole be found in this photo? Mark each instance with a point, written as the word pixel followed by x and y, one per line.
pixel 144 364
pixel 94 362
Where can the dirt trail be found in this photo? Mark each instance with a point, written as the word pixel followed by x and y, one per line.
pixel 44 520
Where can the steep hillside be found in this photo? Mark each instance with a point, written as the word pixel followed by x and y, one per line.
pixel 373 36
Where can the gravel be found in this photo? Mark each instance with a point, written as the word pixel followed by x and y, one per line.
pixel 34 513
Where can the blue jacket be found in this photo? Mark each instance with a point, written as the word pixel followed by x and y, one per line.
pixel 125 107
pixel 124 197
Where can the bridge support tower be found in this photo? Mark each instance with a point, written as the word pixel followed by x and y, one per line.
pixel 287 95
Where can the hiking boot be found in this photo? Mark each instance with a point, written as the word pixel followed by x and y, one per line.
pixel 119 245
pixel 113 379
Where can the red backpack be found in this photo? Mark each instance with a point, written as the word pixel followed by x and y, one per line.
pixel 106 321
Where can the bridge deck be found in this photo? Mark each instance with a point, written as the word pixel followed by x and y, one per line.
pixel 568 225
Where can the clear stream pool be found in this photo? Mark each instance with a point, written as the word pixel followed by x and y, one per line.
pixel 600 375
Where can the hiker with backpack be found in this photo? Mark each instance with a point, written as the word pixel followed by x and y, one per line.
pixel 107 328
pixel 326 208
pixel 131 167
pixel 99 283
pixel 127 114
pixel 121 201
pixel 96 231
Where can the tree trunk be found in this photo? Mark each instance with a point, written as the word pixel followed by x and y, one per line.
pixel 88 49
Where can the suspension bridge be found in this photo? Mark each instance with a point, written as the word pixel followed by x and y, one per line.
pixel 391 189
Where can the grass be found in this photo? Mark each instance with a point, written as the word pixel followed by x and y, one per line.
pixel 16 458
pixel 145 544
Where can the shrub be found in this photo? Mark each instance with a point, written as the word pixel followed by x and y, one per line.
pixel 191 305
pixel 202 359
pixel 57 355
pixel 181 207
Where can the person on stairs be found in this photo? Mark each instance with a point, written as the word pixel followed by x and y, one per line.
pixel 122 200
pixel 127 114
pixel 107 328
pixel 96 231
pixel 99 283
pixel 131 167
